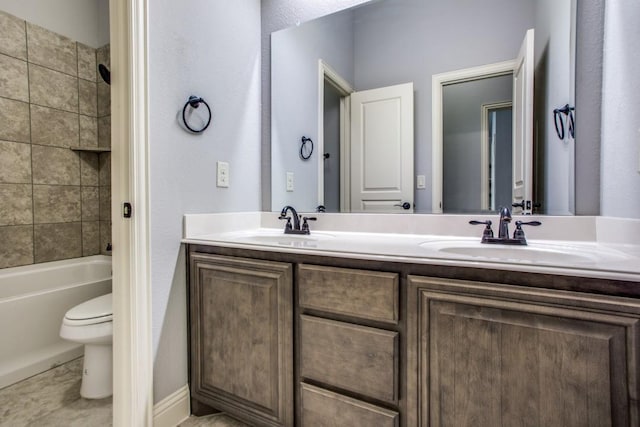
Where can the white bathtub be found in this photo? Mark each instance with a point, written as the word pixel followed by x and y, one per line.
pixel 33 301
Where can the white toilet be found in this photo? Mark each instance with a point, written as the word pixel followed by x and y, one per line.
pixel 91 324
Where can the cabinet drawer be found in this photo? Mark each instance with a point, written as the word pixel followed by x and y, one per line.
pixel 353 357
pixel 324 408
pixel 369 295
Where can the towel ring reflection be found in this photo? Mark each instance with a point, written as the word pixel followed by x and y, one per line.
pixel 194 102
pixel 558 121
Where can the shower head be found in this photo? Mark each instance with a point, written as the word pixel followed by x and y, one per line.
pixel 104 73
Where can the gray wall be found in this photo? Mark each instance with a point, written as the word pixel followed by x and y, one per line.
pixel 462 114
pixel 589 52
pixel 621 111
pixel 209 49
pixel 295 54
pixel 555 168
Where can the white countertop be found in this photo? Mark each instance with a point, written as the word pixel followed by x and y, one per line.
pixel 595 247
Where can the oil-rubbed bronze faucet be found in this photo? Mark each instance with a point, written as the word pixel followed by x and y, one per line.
pixel 503 230
pixel 296 228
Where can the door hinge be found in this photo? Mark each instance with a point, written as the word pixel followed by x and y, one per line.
pixel 126 210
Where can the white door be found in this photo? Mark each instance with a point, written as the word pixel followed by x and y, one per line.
pixel 523 125
pixel 382 149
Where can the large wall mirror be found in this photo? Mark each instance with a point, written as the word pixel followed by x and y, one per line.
pixel 317 66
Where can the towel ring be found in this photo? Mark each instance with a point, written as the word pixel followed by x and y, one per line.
pixel 194 102
pixel 306 151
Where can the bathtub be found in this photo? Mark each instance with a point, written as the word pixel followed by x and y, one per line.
pixel 33 301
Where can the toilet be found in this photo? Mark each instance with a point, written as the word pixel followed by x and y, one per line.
pixel 91 324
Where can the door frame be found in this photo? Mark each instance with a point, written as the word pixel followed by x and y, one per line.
pixel 484 147
pixel 328 74
pixel 438 81
pixel 132 339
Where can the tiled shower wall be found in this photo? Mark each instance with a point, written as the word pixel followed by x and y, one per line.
pixel 54 201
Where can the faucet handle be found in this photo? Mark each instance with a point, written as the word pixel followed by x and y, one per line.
pixel 518 233
pixel 305 225
pixel 287 226
pixel 534 223
pixel 487 232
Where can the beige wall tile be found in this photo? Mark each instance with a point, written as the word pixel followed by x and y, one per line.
pixel 51 50
pixel 54 127
pixel 88 98
pixel 105 169
pixel 53 89
pixel 90 204
pixel 104 131
pixel 104 99
pixel 14 82
pixel 103 55
pixel 90 238
pixel 88 131
pixel 14 120
pixel 55 166
pixel 105 236
pixel 89 169
pixel 15 162
pixel 16 207
pixel 56 203
pixel 105 203
pixel 17 245
pixel 57 241
pixel 86 62
pixel 13 36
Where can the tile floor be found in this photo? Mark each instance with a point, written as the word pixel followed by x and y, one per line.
pixel 216 420
pixel 52 399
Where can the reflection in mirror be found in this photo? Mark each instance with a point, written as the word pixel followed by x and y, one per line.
pixel 386 43
pixel 477 177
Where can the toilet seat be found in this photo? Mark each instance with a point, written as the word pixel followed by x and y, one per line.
pixel 94 311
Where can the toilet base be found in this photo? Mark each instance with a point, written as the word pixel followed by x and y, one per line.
pixel 97 372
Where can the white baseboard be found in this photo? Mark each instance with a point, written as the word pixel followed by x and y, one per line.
pixel 173 409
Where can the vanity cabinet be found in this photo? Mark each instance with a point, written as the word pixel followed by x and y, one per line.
pixel 494 355
pixel 241 333
pixel 287 339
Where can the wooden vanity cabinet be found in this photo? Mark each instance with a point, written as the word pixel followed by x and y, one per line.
pixel 494 355
pixel 241 350
pixel 288 339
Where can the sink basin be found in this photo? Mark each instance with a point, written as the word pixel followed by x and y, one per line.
pixel 558 254
pixel 277 238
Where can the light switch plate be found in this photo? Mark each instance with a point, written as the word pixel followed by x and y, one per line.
pixel 421 183
pixel 290 181
pixel 223 174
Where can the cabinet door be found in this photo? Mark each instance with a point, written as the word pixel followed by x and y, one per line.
pixel 241 337
pixel 494 355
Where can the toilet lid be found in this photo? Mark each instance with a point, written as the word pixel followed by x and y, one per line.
pixel 97 308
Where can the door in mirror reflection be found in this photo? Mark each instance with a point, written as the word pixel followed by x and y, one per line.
pixel 382 150
pixel 368 154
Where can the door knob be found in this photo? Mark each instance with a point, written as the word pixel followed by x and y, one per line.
pixel 405 205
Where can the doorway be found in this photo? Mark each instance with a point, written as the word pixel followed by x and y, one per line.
pixel 474 114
